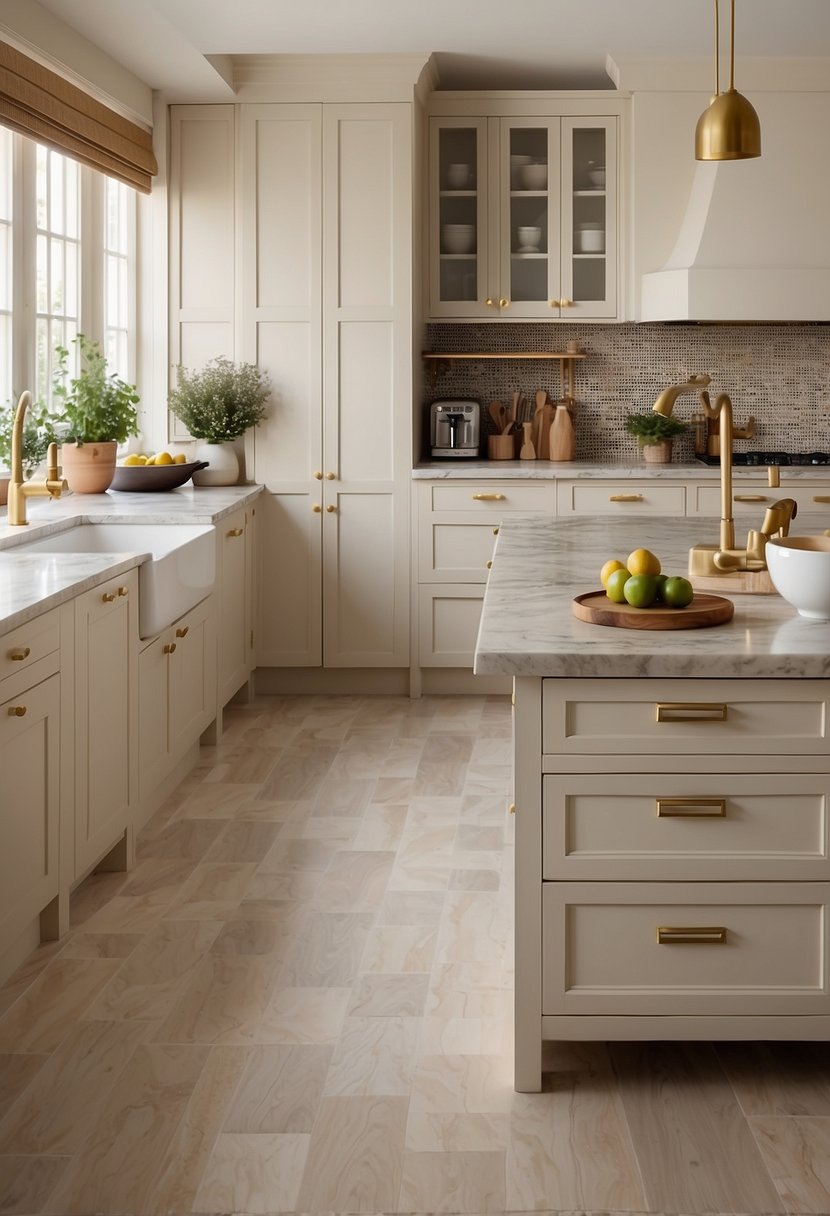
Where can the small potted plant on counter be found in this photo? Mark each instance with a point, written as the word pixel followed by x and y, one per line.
pixel 654 433
pixel 38 433
pixel 98 413
pixel 218 404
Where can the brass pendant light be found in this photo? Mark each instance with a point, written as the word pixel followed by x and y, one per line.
pixel 728 129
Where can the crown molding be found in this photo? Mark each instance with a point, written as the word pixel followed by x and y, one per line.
pixel 328 77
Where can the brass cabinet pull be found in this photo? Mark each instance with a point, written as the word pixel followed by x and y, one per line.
pixel 625 498
pixel 753 498
pixel 183 632
pixel 821 498
pixel 495 531
pixel 330 476
pixel 489 497
pixel 169 648
pixel 17 711
pixel 489 565
pixel 690 808
pixel 316 508
pixel 489 302
pixel 668 935
pixel 234 532
pixel 691 711
pixel 17 656
pixel 503 303
pixel 122 591
pixel 318 474
pixel 330 509
pixel 107 598
pixel 553 303
pixel 511 810
pixel 565 303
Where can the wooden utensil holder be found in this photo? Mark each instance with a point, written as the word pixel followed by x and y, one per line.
pixel 501 447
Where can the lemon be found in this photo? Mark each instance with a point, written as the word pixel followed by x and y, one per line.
pixel 164 458
pixel 141 459
pixel 640 591
pixel 180 458
pixel 608 569
pixel 615 586
pixel 132 459
pixel 643 561
pixel 150 460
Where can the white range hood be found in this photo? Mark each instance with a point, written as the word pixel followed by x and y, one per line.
pixel 755 241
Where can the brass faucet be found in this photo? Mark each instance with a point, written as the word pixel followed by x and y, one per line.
pixel 724 560
pixel 20 490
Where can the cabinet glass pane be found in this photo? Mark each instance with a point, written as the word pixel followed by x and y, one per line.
pixel 589 214
pixel 529 213
pixel 458 172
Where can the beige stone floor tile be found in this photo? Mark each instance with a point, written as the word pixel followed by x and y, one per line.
pixel 280 1089
pixel 481 809
pixel 778 1078
pixel 283 888
pixel 355 881
pixel 373 1056
pixel 304 1015
pixel 252 1174
pixel 467 990
pixel 120 1165
pixel 452 1182
pixel 492 750
pixel 360 757
pixel 130 913
pixel 451 1036
pixel 301 772
pixel 217 800
pixel 328 954
pixel 381 827
pixel 244 840
pixel 393 789
pixel 392 948
pixel 58 1109
pixel 100 945
pixel 421 874
pixel 412 908
pixel 42 1017
pixel 213 889
pixel 91 895
pixel 476 928
pixel 355 1156
pixel 270 810
pixel 474 880
pixel 147 985
pixel 343 797
pixel 27 1182
pixel 246 764
pixel 477 838
pixel 255 936
pixel 28 971
pixel 291 854
pixel 223 1001
pixel 376 995
pixel 186 839
pixel 483 778
pixel 433 1132
pixel 463 1084
pixel 796 1152
pixel 17 1072
pixel 161 879
pixel 289 914
pixel 337 831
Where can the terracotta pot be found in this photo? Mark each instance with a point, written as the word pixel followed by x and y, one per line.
pixel 658 453
pixel 89 467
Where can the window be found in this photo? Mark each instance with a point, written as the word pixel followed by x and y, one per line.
pixel 67 265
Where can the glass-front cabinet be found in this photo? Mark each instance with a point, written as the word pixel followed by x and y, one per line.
pixel 523 218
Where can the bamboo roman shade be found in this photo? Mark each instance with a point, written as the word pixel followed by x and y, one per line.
pixel 39 103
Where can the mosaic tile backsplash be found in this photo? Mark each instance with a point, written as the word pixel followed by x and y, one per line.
pixel 779 374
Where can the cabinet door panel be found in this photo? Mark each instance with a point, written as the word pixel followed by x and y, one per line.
pixel 448 620
pixel 286 217
pixel 191 678
pixel 153 714
pixel 589 217
pixel 528 238
pixel 458 218
pixel 290 610
pixel 233 599
pixel 364 148
pixel 362 433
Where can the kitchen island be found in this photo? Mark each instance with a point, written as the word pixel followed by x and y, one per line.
pixel 671 792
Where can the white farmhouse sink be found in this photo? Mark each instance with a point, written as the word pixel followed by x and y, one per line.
pixel 179 574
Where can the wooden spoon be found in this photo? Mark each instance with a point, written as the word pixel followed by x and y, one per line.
pixel 496 411
pixel 528 452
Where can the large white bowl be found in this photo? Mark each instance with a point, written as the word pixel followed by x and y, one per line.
pixel 799 567
pixel 533 177
pixel 458 238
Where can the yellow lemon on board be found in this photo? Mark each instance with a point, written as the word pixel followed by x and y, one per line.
pixel 608 569
pixel 180 458
pixel 150 460
pixel 643 561
pixel 615 585
pixel 164 458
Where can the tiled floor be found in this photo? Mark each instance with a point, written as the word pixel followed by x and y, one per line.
pixel 300 1000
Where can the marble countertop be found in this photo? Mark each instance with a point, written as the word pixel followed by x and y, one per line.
pixel 32 583
pixel 545 470
pixel 541 564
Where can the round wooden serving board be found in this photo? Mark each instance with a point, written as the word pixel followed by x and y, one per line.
pixel 595 607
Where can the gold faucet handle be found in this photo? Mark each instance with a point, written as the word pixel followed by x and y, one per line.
pixel 55 483
pixel 746 431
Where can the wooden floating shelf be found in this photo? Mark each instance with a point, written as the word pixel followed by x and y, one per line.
pixel 504 354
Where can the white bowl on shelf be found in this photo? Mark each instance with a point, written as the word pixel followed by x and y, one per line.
pixel 529 239
pixel 589 240
pixel 458 238
pixel 458 176
pixel 596 176
pixel 799 567
pixel 533 177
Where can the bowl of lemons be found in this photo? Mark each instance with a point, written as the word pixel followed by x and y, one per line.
pixel 139 473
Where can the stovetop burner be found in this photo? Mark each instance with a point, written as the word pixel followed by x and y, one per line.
pixel 767 458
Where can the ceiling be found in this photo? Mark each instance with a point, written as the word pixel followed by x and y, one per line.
pixel 538 44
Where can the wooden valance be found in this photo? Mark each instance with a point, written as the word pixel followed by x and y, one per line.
pixel 42 105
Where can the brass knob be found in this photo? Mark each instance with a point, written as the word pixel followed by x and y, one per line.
pixel 234 531
pixel 17 711
pixel 330 509
pixel 318 474
pixel 553 303
pixel 489 565
pixel 107 598
pixel 495 531
pixel 489 302
pixel 503 303
pixel 512 808
pixel 169 648
pixel 182 633
pixel 122 591
pixel 565 303
pixel 17 656
pixel 316 508
pixel 330 476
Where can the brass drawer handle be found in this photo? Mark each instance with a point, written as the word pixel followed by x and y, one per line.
pixel 489 565
pixel 330 509
pixel 17 656
pixel 489 497
pixel 17 711
pixel 503 302
pixel 821 498
pixel 316 508
pixel 122 591
pixel 318 474
pixel 330 476
pixel 495 531
pixel 107 598
pixel 669 935
pixel 511 810
pixel 691 711
pixel 625 498
pixel 169 648
pixel 182 633
pixel 690 808
pixel 235 532
pixel 753 498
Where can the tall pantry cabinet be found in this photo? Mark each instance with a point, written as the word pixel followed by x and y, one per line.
pixel 323 304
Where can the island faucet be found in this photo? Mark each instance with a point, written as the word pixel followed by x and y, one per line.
pixel 20 489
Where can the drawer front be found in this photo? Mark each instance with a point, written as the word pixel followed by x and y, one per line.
pixel 491 500
pixel 685 948
pixel 747 500
pixel 755 717
pixel 686 826
pixel 620 498
pixel 29 643
pixel 455 552
pixel 448 620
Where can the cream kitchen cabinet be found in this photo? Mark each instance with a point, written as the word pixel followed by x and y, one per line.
pixel 586 496
pixel 326 291
pixel 106 703
pixel 176 693
pixel 523 220
pixel 235 576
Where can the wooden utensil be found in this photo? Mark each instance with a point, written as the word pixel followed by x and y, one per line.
pixel 496 411
pixel 562 435
pixel 541 398
pixel 544 420
pixel 596 608
pixel 528 451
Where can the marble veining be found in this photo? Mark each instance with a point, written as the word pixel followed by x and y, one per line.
pixel 541 564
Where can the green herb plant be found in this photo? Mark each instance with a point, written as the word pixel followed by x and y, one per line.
pixel 95 406
pixel 38 433
pixel 653 428
pixel 221 401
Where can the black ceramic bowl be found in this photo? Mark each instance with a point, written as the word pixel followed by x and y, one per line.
pixel 143 479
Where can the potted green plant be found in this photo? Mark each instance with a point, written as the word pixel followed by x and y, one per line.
pixel 98 410
pixel 38 433
pixel 217 405
pixel 654 433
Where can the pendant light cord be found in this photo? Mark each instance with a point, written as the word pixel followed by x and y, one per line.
pixel 717 48
pixel 732 49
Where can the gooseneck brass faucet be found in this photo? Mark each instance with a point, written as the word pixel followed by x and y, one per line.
pixel 19 489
